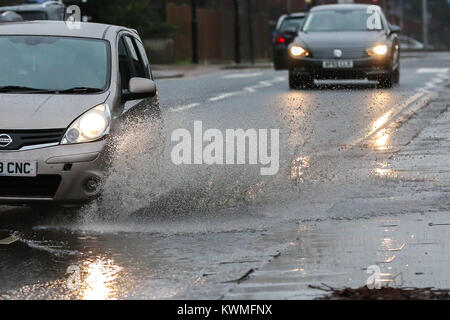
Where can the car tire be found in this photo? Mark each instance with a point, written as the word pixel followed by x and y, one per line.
pixel 387 81
pixel 396 76
pixel 278 66
pixel 300 82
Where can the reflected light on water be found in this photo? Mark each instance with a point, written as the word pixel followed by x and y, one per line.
pixel 100 280
pixel 386 243
pixel 384 171
pixel 381 121
pixel 381 139
pixel 299 165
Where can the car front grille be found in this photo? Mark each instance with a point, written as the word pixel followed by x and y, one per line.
pixel 347 53
pixel 41 186
pixel 28 138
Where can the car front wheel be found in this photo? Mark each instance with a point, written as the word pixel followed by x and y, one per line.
pixel 300 81
pixel 386 81
pixel 396 76
pixel 279 65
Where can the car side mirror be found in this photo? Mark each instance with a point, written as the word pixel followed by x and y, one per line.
pixel 395 29
pixel 140 88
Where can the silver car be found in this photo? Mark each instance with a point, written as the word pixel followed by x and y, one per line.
pixel 63 93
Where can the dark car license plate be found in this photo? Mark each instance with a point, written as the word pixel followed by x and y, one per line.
pixel 337 64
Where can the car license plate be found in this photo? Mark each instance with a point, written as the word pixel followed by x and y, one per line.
pixel 18 168
pixel 337 64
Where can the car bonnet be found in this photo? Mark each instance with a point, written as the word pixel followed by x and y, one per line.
pixel 44 111
pixel 340 39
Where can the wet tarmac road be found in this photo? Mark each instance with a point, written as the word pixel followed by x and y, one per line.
pixel 162 231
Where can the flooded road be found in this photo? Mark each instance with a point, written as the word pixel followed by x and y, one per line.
pixel 162 231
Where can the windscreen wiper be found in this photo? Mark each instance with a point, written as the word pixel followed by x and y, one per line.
pixel 24 89
pixel 80 90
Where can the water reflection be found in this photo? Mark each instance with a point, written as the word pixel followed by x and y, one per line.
pixel 381 121
pixel 383 171
pixel 381 140
pixel 298 168
pixel 101 275
pixel 388 250
pixel 381 136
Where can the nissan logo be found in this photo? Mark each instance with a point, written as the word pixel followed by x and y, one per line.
pixel 5 140
pixel 337 53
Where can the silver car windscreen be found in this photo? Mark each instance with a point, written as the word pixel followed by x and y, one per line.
pixel 343 20
pixel 53 63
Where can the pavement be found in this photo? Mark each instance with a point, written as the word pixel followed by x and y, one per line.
pixel 363 182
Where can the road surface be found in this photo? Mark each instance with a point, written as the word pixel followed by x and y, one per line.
pixel 163 231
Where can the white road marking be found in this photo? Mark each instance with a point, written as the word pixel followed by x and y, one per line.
pixel 243 75
pixel 424 90
pixel 251 89
pixel 185 107
pixel 432 70
pixel 262 84
pixel 224 96
pixel 279 79
pixel 437 80
pixel 9 240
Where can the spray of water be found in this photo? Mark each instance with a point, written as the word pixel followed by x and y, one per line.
pixel 143 183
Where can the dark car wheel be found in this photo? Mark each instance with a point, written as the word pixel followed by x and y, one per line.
pixel 396 76
pixel 280 62
pixel 393 77
pixel 300 81
pixel 386 81
pixel 279 65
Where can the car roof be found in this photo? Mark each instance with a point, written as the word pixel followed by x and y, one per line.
pixel 342 6
pixel 58 28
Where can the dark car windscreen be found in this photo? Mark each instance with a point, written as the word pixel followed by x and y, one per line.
pixel 340 20
pixel 53 63
pixel 290 23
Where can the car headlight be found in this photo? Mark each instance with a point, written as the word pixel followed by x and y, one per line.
pixel 91 126
pixel 297 51
pixel 379 50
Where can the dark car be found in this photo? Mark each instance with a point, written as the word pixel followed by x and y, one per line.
pixel 286 30
pixel 345 42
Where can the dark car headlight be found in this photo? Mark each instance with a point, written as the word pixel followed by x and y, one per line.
pixel 297 51
pixel 379 50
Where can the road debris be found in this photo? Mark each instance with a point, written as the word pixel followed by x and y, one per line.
pixel 387 293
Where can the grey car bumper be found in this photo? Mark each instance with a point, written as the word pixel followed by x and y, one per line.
pixel 371 68
pixel 64 174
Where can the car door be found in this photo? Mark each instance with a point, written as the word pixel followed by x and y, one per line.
pixel 133 62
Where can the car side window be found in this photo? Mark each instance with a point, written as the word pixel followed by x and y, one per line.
pixel 138 65
pixel 125 66
pixel 144 59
